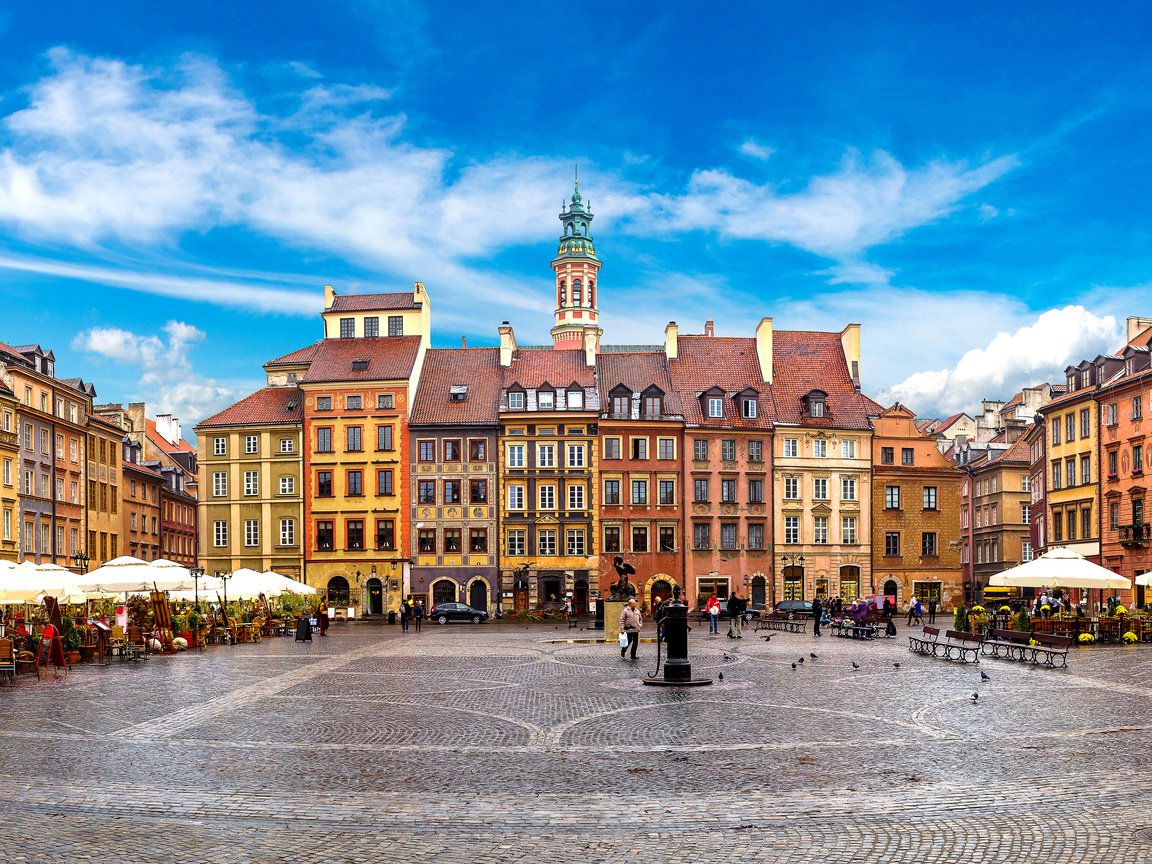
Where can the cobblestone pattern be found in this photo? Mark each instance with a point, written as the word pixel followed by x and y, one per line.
pixel 490 744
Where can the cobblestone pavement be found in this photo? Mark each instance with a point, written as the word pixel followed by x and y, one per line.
pixel 508 743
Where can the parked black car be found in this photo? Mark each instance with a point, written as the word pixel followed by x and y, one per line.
pixel 794 608
pixel 749 614
pixel 442 613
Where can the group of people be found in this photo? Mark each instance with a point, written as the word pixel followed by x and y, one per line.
pixel 411 614
pixel 737 607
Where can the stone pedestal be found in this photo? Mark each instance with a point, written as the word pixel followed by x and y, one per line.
pixel 612 609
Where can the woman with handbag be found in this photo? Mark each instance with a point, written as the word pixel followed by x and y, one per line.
pixel 631 620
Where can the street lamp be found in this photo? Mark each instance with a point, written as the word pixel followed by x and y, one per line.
pixel 224 577
pixel 196 573
pixel 80 561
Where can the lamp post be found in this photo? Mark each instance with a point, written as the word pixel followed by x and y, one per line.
pixel 80 561
pixel 196 573
pixel 793 559
pixel 224 577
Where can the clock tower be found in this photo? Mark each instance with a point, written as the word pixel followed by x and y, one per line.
pixel 577 268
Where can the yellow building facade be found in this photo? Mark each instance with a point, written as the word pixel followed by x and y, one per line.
pixel 10 479
pixel 1072 506
pixel 104 484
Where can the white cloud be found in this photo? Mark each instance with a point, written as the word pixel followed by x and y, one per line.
pixel 752 147
pixel 857 273
pixel 168 382
pixel 1034 353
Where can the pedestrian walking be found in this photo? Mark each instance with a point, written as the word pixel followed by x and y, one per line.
pixel 405 616
pixel 418 614
pixel 912 610
pixel 712 607
pixel 817 614
pixel 736 607
pixel 933 602
pixel 919 610
pixel 631 620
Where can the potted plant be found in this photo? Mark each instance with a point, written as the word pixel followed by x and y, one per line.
pixel 194 629
pixel 70 636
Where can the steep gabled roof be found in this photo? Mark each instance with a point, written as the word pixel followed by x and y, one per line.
pixel 807 360
pixel 270 406
pixel 390 358
pixel 727 362
pixel 532 367
pixel 637 371
pixel 302 355
pixel 445 368
pixel 370 302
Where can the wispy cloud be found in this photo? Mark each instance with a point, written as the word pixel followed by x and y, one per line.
pixel 753 148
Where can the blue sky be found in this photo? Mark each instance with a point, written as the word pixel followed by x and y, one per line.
pixel 970 183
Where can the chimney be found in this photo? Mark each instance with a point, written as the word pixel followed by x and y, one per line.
pixel 463 341
pixel 329 297
pixel 850 342
pixel 1136 326
pixel 418 295
pixel 591 344
pixel 764 348
pixel 672 341
pixel 507 344
pixel 709 328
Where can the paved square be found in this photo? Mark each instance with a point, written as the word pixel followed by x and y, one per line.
pixel 495 743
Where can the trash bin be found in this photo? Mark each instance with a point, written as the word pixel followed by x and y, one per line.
pixel 392 616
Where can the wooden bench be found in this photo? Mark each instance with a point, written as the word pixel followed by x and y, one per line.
pixel 1051 649
pixel 783 623
pixel 951 645
pixel 924 642
pixel 1009 644
pixel 850 629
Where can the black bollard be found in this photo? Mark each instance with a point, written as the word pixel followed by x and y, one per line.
pixel 672 622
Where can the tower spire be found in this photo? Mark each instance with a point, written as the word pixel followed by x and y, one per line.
pixel 577 268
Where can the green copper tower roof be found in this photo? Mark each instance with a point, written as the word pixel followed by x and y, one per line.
pixel 576 241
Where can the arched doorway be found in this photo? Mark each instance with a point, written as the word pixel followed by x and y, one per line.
pixel 580 597
pixel 375 597
pixel 849 583
pixel 759 592
pixel 478 595
pixel 337 591
pixel 443 591
pixel 892 589
pixel 661 590
pixel 550 591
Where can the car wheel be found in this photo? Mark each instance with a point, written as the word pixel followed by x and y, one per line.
pixel 476 619
pixel 443 619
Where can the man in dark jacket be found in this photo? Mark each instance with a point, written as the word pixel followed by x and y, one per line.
pixel 736 607
pixel 817 614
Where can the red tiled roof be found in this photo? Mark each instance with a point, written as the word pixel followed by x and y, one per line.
pixel 948 421
pixel 368 302
pixel 806 360
pixel 270 406
pixel 390 358
pixel 141 469
pixel 478 368
pixel 163 443
pixel 303 355
pixel 532 367
pixel 638 370
pixel 730 363
pixel 1018 452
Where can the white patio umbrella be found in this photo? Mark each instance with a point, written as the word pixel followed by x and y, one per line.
pixel 128 575
pixel 1060 568
pixel 291 585
pixel 1144 579
pixel 29 583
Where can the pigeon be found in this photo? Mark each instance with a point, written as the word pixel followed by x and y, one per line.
pixel 793 665
pixel 728 657
pixel 721 676
pixel 767 638
pixel 897 665
pixel 855 665
pixel 984 676
pixel 813 656
pixel 975 696
pixel 801 660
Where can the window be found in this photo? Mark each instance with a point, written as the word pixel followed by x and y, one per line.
pixel 426 451
pixel 478 491
pixel 653 406
pixel 1085 422
pixel 639 448
pixel 755 491
pixel 820 448
pixel 847 488
pixel 701 535
pixel 287 485
pixel 251 532
pixel 820 529
pixel 324 484
pixel 848 529
pixel 1070 426
pixel 575 497
pixel 1114 515
pixel 452 539
pixel 547 496
pixel 251 483
pixel 1025 551
pixel 892 497
pixel 715 406
pixel 545 400
pixel 452 450
pixel 727 535
pixel 755 451
pixel 667 538
pixel 1086 469
pixel 1086 523
pixel 1137 458
pixel 639 538
pixel 611 448
pixel 324 439
pixel 287 445
pixel 347 328
pixel 891 542
pixel 929 497
pixel 748 409
pixel 1025 483
pixel 611 491
pixel 7 524
pixel 352 435
pixel 575 455
pixel 385 535
pixel 517 541
pixel 1137 409
pixel 1112 463
pixel 515 400
pixel 426 492
pixel 7 472
pixel 395 325
pixel 791 529
pixel 323 403
pixel 848 449
pixel 700 449
pixel 383 437
pixel 1110 414
pixel 1070 471
pixel 575 399
pixel 667 491
pixel 639 491
pixel 60 447
pixel 792 488
pixel 546 541
pixel 1056 474
pixel 820 488
pixel 478 541
pixel 219 533
pixel 384 481
pixel 611 538
pixel 219 485
pixel 384 400
pixel 1055 430
pixel 251 443
pixel 1071 517
pixel 700 489
pixel 756 536
pixel 665 448
pixel 907 456
pixel 516 497
pixel 219 446
pixel 355 529
pixel 477 450
pixel 928 544
pixel 728 490
pixel 355 482
pixel 545 455
pixel 728 450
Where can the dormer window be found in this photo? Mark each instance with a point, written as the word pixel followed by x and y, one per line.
pixel 360 364
pixel 545 400
pixel 576 399
pixel 816 403
pixel 516 400
pixel 1071 381
pixel 748 408
pixel 715 406
pixel 458 393
pixel 653 406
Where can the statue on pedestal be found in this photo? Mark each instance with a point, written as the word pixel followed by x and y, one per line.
pixel 623 589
